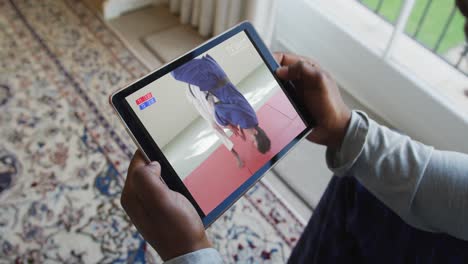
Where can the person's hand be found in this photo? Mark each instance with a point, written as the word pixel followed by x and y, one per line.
pixel 321 97
pixel 242 134
pixel 166 219
pixel 234 130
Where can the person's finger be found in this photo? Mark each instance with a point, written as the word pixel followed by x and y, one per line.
pixel 138 160
pixel 285 59
pixel 278 57
pixel 148 186
pixel 134 210
pixel 315 137
pixel 299 71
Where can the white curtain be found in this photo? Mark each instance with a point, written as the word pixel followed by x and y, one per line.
pixel 212 17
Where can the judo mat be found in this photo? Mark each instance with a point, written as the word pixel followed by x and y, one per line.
pixel 64 154
pixel 281 123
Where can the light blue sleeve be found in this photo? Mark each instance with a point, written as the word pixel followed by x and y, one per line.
pixel 427 188
pixel 202 256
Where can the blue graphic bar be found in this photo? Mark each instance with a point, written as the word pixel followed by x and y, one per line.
pixel 147 103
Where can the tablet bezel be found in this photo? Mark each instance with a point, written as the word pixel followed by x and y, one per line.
pixel 149 147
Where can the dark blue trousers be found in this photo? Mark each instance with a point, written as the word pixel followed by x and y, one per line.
pixel 350 225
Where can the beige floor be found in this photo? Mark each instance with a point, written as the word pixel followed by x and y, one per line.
pixel 157 37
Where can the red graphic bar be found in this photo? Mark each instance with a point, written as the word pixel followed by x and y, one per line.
pixel 143 98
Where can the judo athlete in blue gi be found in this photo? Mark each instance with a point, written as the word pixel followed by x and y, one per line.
pixel 230 108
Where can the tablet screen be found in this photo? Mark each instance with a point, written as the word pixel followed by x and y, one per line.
pixel 218 119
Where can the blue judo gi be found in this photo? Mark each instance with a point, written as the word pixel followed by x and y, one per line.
pixel 232 107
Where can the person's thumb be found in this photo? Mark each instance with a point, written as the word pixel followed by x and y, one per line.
pixel 154 167
pixel 147 182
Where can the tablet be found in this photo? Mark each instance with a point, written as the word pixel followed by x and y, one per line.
pixel 215 118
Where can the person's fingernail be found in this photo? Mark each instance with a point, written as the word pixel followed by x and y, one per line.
pixel 282 71
pixel 155 164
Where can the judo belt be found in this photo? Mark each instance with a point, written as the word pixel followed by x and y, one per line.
pixel 221 82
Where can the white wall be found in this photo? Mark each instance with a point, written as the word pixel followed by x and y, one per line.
pixel 237 56
pixel 391 92
pixel 170 114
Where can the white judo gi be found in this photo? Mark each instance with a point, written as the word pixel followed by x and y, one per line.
pixel 205 106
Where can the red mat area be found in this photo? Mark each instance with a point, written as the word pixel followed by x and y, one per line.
pixel 218 176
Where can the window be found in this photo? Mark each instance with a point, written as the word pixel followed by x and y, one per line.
pixel 436 25
pixel 407 79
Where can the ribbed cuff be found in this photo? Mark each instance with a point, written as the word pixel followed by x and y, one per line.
pixel 202 256
pixel 340 161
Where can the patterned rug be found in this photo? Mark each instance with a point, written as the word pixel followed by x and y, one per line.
pixel 64 154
